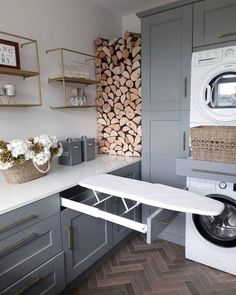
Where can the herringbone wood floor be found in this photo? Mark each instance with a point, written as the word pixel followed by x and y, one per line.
pixel 160 269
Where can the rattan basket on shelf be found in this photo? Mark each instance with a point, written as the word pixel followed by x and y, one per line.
pixel 25 172
pixel 214 143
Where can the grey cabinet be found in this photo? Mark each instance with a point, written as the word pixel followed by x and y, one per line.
pixel 85 238
pixel 19 219
pixel 214 22
pixel 165 138
pixel 22 252
pixel 48 279
pixel 120 232
pixel 166 59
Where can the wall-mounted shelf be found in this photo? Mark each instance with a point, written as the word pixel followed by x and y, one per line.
pixel 72 107
pixel 74 80
pixel 65 78
pixel 23 105
pixel 16 72
pixel 23 73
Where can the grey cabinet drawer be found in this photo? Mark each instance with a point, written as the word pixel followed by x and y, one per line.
pixel 19 219
pixel 158 221
pixel 22 252
pixel 48 279
pixel 214 22
pixel 206 170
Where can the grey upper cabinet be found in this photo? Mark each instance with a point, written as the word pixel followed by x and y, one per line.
pixel 166 59
pixel 85 238
pixel 214 22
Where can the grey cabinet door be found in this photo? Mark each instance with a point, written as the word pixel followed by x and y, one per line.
pixel 85 238
pixel 48 279
pixel 214 22
pixel 120 232
pixel 166 59
pixel 163 137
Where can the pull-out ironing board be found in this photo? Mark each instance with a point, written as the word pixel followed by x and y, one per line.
pixel 172 200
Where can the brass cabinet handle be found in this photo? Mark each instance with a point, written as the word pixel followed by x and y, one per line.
pixel 30 285
pixel 70 237
pixel 184 141
pixel 186 87
pixel 15 246
pixel 19 222
pixel 226 34
pixel 213 172
pixel 168 221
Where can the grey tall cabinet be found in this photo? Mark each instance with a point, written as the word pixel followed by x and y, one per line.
pixel 166 68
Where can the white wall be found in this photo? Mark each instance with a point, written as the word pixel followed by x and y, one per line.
pixel 54 23
pixel 131 23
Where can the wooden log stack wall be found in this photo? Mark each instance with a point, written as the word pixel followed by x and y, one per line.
pixel 118 64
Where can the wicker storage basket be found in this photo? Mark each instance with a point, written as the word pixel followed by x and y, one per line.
pixel 214 143
pixel 25 172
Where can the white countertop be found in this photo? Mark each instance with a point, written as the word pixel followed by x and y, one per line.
pixel 13 196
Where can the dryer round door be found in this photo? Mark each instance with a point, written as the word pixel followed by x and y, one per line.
pixel 219 230
pixel 217 97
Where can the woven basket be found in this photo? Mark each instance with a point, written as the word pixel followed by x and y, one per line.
pixel 214 143
pixel 25 172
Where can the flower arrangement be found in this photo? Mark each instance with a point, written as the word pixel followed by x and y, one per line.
pixel 39 149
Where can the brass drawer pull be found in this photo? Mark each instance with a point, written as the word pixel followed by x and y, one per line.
pixel 184 141
pixel 168 221
pixel 213 172
pixel 226 34
pixel 15 246
pixel 30 285
pixel 185 87
pixel 19 222
pixel 70 237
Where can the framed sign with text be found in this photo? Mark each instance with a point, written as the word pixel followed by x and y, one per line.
pixel 9 54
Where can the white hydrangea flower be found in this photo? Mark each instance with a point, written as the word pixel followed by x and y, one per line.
pixel 5 166
pixel 47 140
pixel 60 151
pixel 42 158
pixel 19 147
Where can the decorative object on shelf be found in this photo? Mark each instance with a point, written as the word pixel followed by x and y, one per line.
pixel 74 72
pixel 6 93
pixel 10 90
pixel 24 160
pixel 9 54
pixel 119 95
pixel 10 65
pixel 214 143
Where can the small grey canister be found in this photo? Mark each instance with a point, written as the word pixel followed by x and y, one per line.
pixel 88 148
pixel 71 152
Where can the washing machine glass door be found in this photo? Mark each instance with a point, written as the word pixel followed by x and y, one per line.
pixel 219 230
pixel 217 97
pixel 222 91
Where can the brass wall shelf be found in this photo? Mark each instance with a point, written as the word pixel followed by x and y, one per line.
pixel 23 105
pixel 24 73
pixel 16 72
pixel 65 79
pixel 74 80
pixel 72 107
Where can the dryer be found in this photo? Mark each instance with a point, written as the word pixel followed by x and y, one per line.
pixel 213 87
pixel 212 240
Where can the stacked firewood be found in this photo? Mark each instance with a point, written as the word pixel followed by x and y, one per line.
pixel 118 65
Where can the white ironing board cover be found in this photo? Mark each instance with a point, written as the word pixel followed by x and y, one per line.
pixel 156 195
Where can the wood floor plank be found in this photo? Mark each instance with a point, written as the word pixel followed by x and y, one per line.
pixel 160 269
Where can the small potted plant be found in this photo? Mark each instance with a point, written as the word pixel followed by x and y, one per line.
pixel 25 160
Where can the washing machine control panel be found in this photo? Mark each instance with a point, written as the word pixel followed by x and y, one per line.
pixel 208 57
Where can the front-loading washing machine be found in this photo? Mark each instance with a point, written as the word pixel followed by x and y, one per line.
pixel 213 87
pixel 212 240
